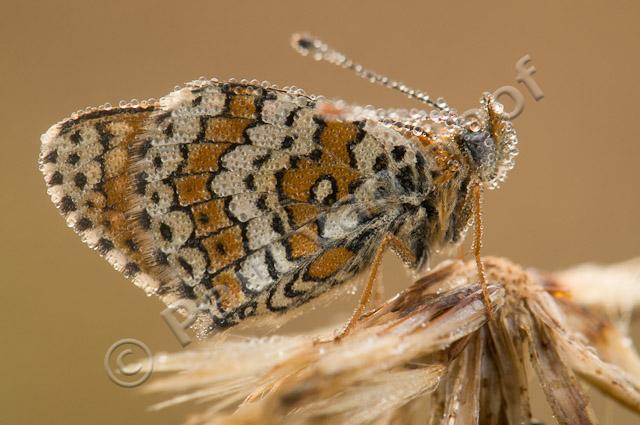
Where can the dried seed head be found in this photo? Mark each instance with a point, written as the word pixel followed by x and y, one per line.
pixel 433 338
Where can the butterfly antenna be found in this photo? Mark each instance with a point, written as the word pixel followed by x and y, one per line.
pixel 306 45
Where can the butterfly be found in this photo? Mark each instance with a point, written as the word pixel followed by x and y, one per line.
pixel 253 200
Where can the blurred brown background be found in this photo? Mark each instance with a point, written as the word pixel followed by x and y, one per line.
pixel 573 196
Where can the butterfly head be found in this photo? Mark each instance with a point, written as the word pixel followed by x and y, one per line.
pixel 489 141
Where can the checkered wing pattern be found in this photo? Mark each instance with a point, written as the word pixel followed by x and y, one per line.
pixel 247 200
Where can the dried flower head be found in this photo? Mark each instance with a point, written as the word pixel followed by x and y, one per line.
pixel 433 339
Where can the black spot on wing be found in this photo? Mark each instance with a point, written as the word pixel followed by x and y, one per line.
pixel 144 219
pixel 261 203
pixel 315 155
pixel 67 205
pixel 277 225
pixel 104 246
pixel 73 159
pixel 51 157
pixel 83 224
pixel 291 117
pixel 104 135
pixel 398 153
pixel 141 183
pixel 80 180
pixel 185 266
pixel 353 161
pixel 165 232
pixel 404 176
pixel 249 182
pixel 131 269
pixel 55 179
pixel 287 142
pixel 381 164
pixel 271 265
pixel 161 258
pixel 168 131
pixel 75 137
pixel 420 168
pixel 132 245
pixel 261 160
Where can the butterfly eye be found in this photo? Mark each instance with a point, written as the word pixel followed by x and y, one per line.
pixel 481 147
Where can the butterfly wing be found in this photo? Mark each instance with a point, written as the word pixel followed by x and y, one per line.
pixel 85 161
pixel 249 202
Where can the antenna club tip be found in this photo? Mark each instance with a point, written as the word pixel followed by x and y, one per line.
pixel 305 43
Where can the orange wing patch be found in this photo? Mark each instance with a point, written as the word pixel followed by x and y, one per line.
pixel 229 290
pixel 116 191
pixel 335 139
pixel 301 245
pixel 226 129
pixel 300 214
pixel 192 189
pixel 210 217
pixel 327 264
pixel 204 157
pixel 297 183
pixel 224 248
pixel 242 106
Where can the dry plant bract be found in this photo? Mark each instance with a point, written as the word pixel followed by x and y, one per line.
pixel 432 341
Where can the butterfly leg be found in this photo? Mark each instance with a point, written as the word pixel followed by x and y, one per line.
pixel 477 246
pixel 403 251
pixel 378 293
